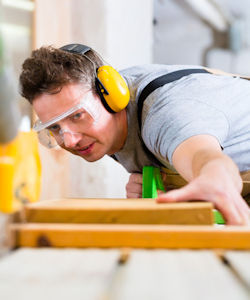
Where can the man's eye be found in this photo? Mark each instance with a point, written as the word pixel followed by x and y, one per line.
pixel 54 128
pixel 77 116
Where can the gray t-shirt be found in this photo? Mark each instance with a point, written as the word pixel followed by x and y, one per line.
pixel 195 104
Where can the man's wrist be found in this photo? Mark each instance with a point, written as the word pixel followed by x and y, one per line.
pixel 222 167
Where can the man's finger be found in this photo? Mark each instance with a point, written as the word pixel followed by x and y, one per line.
pixel 134 188
pixel 136 178
pixel 189 192
pixel 183 194
pixel 242 208
pixel 134 195
pixel 229 211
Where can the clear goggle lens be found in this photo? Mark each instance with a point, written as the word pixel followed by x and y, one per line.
pixel 78 119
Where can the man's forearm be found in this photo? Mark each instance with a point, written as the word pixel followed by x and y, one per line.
pixel 212 176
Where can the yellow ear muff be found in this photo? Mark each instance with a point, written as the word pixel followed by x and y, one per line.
pixel 113 87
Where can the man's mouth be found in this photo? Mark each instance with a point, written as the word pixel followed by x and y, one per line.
pixel 85 150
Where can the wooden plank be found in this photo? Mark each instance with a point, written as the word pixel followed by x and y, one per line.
pixel 183 274
pixel 240 262
pixel 136 236
pixel 52 274
pixel 5 237
pixel 118 211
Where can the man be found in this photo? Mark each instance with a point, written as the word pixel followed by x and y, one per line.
pixel 197 124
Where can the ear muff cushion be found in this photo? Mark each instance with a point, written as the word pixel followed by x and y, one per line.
pixel 118 93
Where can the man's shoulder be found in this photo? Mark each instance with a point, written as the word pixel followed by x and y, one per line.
pixel 137 77
pixel 154 68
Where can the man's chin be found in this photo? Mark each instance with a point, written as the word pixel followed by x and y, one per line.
pixel 89 158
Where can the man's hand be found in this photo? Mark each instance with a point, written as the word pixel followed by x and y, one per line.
pixel 219 189
pixel 134 186
pixel 212 177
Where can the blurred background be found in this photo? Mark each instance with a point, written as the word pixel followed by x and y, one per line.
pixel 215 33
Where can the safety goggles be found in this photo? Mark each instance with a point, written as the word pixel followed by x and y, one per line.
pixel 70 124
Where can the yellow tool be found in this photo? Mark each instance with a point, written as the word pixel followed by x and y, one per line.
pixel 20 172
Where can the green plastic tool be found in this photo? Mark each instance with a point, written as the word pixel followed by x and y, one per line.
pixel 152 181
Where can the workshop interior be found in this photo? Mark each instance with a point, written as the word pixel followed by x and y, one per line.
pixel 207 33
pixel 210 33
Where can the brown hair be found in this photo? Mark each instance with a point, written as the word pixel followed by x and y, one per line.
pixel 49 69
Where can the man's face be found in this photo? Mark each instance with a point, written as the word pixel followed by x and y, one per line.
pixel 104 136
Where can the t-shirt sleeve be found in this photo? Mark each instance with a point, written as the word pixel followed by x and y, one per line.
pixel 166 126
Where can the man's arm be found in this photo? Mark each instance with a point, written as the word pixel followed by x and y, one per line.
pixel 212 176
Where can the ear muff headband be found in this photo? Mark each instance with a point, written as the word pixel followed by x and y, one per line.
pixel 110 85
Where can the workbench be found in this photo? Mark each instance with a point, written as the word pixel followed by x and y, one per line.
pixel 95 274
pixel 72 259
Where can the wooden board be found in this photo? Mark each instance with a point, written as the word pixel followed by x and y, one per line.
pixel 52 274
pixel 119 211
pixel 178 275
pixel 136 236
pixel 240 262
pixel 5 221
pixel 91 274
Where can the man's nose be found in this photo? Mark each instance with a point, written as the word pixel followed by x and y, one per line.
pixel 70 140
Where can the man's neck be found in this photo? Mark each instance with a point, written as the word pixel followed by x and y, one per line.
pixel 122 130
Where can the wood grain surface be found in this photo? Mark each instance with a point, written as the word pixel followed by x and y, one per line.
pixel 135 236
pixel 119 211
